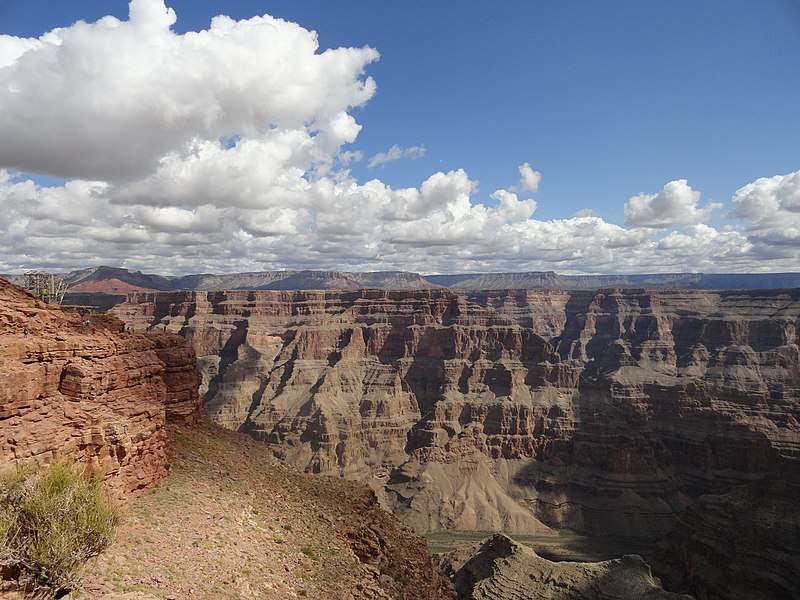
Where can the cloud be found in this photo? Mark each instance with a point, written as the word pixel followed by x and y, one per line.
pixel 11 48
pixel 770 210
pixel 350 156
pixel 511 206
pixel 530 178
pixel 227 150
pixel 108 100
pixel 767 198
pixel 395 153
pixel 674 205
pixel 343 224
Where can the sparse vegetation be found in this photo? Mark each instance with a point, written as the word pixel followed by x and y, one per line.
pixel 51 522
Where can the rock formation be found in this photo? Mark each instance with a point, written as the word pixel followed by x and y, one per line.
pixel 86 389
pixel 76 390
pixel 111 280
pixel 741 545
pixel 603 412
pixel 499 567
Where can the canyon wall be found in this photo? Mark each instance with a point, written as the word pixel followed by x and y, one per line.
pixel 87 391
pixel 741 545
pixel 518 411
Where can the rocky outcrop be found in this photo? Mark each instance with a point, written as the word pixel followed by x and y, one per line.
pixel 71 390
pixel 181 378
pixel 603 412
pixel 499 567
pixel 740 545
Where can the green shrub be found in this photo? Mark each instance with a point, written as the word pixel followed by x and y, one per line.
pixel 51 523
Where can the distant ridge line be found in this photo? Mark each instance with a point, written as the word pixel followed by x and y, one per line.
pixel 119 281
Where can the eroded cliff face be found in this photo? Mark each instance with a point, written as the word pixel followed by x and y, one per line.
pixel 604 412
pixel 89 392
pixel 104 396
pixel 741 545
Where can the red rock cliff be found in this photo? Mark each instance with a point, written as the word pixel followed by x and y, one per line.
pixel 89 392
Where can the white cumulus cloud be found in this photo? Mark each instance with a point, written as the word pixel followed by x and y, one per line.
pixel 107 100
pixel 768 197
pixel 770 210
pixel 227 150
pixel 674 205
pixel 530 178
pixel 340 223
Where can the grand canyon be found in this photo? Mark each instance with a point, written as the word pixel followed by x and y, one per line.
pixel 399 300
pixel 665 420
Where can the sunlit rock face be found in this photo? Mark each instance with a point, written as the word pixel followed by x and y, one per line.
pixel 603 412
pixel 87 391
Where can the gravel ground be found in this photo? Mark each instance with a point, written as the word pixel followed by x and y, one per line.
pixel 232 522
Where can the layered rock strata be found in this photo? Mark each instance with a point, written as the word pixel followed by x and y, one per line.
pixel 499 567
pixel 741 545
pixel 603 412
pixel 72 390
pixel 84 389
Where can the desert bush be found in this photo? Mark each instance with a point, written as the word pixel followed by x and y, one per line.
pixel 51 522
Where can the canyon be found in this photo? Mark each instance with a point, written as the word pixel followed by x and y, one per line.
pixel 523 411
pixel 201 517
pixel 664 417
pixel 85 284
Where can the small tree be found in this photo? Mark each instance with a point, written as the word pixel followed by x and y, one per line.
pixel 51 523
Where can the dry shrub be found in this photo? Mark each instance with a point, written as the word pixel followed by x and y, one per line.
pixel 51 522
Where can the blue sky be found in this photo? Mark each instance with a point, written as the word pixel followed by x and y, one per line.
pixel 605 100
